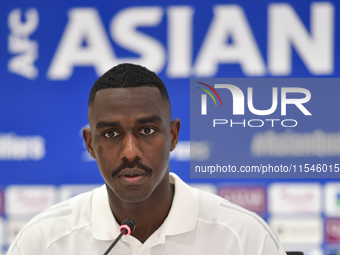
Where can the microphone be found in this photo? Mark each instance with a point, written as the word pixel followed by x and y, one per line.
pixel 126 228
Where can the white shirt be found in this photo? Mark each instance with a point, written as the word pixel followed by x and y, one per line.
pixel 198 223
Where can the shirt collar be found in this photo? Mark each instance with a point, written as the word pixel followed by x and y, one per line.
pixel 105 226
pixel 184 209
pixel 181 218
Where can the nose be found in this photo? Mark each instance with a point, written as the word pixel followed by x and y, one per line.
pixel 130 148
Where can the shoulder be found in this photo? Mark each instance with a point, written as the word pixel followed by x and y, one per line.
pixel 55 222
pixel 245 227
pixel 216 210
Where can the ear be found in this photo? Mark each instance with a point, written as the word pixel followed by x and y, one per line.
pixel 175 126
pixel 88 141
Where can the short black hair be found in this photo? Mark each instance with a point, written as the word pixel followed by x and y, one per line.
pixel 126 76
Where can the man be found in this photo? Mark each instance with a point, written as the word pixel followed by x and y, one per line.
pixel 131 135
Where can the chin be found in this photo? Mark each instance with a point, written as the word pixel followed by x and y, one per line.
pixel 133 196
pixel 133 199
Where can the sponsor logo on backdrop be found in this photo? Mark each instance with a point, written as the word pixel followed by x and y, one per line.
pixel 332 199
pixel 332 231
pixel 294 198
pixel 238 100
pixel 315 48
pixel 308 231
pixel 15 148
pixel 251 198
pixel 28 200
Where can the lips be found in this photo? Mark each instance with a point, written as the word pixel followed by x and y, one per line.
pixel 132 176
pixel 131 172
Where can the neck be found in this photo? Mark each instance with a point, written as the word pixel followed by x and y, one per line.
pixel 148 214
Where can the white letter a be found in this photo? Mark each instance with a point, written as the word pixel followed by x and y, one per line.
pixel 84 26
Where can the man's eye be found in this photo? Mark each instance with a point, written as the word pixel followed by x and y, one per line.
pixel 111 134
pixel 147 131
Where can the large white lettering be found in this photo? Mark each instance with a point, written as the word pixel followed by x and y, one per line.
pixel 180 24
pixel 228 40
pixel 84 26
pixel 123 31
pixel 229 21
pixel 286 29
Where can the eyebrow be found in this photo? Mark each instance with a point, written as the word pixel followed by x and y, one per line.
pixel 104 124
pixel 141 121
pixel 152 118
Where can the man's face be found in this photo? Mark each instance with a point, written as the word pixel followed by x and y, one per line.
pixel 131 138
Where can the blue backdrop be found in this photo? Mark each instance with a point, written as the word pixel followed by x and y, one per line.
pixel 52 52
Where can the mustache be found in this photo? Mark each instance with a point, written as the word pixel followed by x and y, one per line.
pixel 131 164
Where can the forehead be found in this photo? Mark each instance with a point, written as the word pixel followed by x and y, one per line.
pixel 130 103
